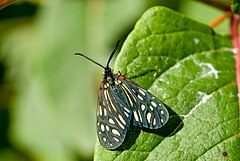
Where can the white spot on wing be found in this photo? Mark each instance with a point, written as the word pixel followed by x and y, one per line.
pixel 140 97
pixel 126 110
pixel 104 111
pixel 121 119
pixel 143 107
pixel 100 110
pixel 135 115
pixel 154 121
pixel 162 120
pixel 107 128
pixel 154 104
pixel 142 92
pixel 116 139
pixel 118 122
pixel 104 139
pixel 140 116
pixel 102 127
pixel 110 120
pixel 149 117
pixel 151 108
pixel 116 132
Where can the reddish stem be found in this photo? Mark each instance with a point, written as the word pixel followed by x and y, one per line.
pixel 235 41
pixel 4 3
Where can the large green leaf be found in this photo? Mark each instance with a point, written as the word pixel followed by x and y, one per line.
pixel 191 69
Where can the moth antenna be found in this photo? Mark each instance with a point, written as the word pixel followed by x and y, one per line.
pixel 90 59
pixel 113 52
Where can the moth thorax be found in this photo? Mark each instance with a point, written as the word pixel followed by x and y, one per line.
pixel 110 80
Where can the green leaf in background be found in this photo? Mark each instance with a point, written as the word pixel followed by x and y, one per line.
pixel 191 69
pixel 235 6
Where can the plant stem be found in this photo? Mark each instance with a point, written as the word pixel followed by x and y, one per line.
pixel 4 3
pixel 220 19
pixel 222 5
pixel 235 41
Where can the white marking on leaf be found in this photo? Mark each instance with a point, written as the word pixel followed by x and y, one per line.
pixel 196 40
pixel 204 98
pixel 211 69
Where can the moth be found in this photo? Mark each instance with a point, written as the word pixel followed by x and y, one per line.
pixel 122 102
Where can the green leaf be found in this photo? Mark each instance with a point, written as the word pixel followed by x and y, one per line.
pixel 191 69
pixel 235 6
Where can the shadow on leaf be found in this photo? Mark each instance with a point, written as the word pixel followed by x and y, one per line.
pixel 173 125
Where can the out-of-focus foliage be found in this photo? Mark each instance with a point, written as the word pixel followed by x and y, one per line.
pixel 235 6
pixel 47 95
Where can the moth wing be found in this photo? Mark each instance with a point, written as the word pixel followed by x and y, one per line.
pixel 113 118
pixel 148 110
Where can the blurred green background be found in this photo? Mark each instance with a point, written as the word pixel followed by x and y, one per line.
pixel 48 96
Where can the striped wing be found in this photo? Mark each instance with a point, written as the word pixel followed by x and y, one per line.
pixel 113 116
pixel 148 111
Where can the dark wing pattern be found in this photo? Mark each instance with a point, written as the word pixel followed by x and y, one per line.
pixel 147 110
pixel 123 102
pixel 113 116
